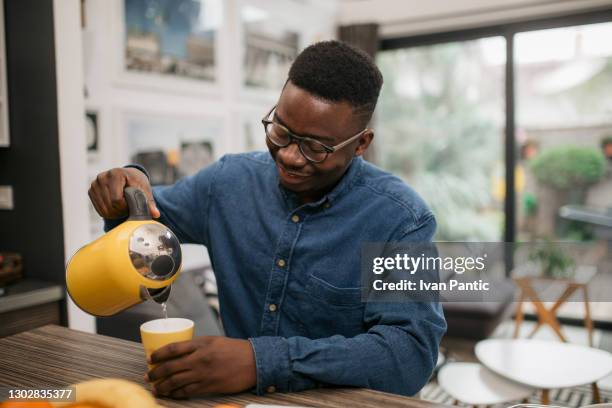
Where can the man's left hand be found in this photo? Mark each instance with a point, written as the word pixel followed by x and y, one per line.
pixel 203 366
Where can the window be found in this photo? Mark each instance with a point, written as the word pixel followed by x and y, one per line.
pixel 564 117
pixel 506 132
pixel 441 128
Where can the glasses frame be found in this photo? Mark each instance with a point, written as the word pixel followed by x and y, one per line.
pixel 299 139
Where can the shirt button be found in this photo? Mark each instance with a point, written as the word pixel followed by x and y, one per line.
pixel 280 262
pixel 295 218
pixel 326 205
pixel 272 307
pixel 271 389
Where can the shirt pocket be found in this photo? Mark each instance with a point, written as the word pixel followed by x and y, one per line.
pixel 347 297
pixel 333 310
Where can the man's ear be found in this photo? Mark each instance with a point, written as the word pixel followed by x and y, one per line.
pixel 364 142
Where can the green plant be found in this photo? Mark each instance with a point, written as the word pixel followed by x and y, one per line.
pixel 569 166
pixel 554 262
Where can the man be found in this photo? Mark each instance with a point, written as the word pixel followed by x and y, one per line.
pixel 284 233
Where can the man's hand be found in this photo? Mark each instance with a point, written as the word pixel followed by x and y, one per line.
pixel 106 192
pixel 203 366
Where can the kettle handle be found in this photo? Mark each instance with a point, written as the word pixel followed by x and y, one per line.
pixel 138 205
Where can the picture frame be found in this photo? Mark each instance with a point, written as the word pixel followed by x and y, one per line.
pixel 156 53
pixel 269 48
pixel 270 40
pixel 171 147
pixel 271 34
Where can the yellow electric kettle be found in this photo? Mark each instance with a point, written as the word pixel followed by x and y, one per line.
pixel 135 261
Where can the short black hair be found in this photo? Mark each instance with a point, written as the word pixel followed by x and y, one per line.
pixel 337 72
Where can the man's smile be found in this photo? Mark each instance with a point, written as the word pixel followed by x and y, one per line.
pixel 291 177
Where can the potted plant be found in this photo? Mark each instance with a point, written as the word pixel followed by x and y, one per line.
pixel 564 174
pixel 554 263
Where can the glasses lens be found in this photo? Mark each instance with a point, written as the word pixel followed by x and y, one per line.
pixel 277 134
pixel 313 151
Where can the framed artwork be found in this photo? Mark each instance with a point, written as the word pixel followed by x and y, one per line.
pixel 194 155
pixel 171 37
pixel 169 147
pixel 269 48
pixel 168 44
pixel 272 34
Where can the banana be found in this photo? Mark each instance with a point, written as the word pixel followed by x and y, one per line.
pixel 110 393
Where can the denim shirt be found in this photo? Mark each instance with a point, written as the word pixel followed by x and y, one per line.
pixel 288 273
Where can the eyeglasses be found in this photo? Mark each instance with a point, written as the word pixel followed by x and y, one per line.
pixel 313 150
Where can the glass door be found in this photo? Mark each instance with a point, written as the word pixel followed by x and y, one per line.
pixel 563 80
pixel 440 126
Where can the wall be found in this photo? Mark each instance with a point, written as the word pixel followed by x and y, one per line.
pixel 412 17
pixel 70 105
pixel 32 163
pixel 116 95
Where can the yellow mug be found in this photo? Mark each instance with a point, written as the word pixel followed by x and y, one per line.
pixel 159 332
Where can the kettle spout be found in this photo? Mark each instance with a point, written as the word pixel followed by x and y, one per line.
pixel 163 295
pixel 158 295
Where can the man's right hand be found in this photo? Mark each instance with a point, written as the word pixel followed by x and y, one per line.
pixel 106 192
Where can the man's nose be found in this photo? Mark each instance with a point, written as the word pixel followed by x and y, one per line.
pixel 291 155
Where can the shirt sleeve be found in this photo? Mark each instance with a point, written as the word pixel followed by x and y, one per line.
pixel 184 206
pixel 397 353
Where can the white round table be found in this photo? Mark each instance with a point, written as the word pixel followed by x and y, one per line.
pixel 474 384
pixel 545 364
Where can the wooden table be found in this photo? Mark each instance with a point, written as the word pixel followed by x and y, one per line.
pixel 57 357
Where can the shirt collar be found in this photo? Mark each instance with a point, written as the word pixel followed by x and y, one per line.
pixel 348 179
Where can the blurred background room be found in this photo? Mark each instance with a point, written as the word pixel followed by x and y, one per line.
pixel 498 112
